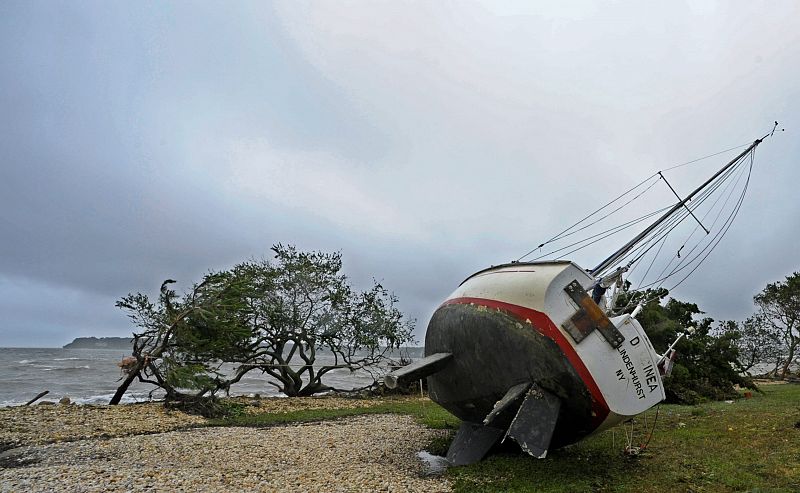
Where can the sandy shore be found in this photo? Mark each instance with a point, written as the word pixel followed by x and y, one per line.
pixel 143 447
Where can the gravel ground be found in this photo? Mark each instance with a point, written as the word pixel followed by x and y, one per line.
pixel 24 425
pixel 364 453
pixel 39 424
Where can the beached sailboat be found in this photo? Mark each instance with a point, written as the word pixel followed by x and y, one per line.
pixel 535 350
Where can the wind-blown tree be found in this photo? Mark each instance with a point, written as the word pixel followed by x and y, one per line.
pixel 302 304
pixel 756 341
pixel 270 316
pixel 184 340
pixel 779 307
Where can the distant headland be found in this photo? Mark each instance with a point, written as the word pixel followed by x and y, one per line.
pixel 100 343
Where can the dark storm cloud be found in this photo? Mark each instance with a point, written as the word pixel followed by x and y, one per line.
pixel 140 142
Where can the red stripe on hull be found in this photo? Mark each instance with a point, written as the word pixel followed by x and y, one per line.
pixel 542 323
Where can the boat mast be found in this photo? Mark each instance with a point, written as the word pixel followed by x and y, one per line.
pixel 614 257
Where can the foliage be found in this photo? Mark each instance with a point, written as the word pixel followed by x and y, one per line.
pixel 705 368
pixel 756 341
pixel 184 341
pixel 302 304
pixel 269 316
pixel 779 310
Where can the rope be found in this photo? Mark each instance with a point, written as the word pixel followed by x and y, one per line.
pixel 652 430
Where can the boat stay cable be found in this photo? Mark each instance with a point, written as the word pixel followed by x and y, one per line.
pixel 569 230
pixel 726 190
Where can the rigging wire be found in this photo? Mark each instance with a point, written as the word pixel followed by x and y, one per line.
pixel 562 234
pixel 718 237
pixel 673 222
pixel 654 258
pixel 666 229
pixel 677 268
pixel 667 226
pixel 622 226
pixel 706 157
pixel 724 184
pixel 610 213
pixel 710 210
pixel 610 231
pixel 716 219
pixel 568 231
pixel 713 241
pixel 670 224
pixel 727 226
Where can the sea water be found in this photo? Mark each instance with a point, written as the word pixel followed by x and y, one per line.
pixel 91 376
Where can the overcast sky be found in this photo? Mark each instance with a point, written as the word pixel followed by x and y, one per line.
pixel 141 141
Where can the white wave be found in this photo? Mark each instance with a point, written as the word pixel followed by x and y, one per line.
pixel 11 403
pixel 65 359
pixel 129 398
pixel 105 398
pixel 26 361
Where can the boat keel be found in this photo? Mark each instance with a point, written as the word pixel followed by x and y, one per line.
pixel 472 442
pixel 532 427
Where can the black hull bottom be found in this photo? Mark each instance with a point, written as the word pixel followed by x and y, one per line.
pixel 494 351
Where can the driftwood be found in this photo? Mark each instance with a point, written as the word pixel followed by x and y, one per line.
pixel 41 394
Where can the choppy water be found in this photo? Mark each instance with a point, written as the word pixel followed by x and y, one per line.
pixel 91 376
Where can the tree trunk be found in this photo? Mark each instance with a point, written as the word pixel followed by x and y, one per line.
pixel 312 388
pixel 788 361
pixel 124 387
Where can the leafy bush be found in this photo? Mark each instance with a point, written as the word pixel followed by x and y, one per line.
pixel 706 365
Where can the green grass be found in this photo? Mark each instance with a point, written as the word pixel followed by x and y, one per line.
pixel 426 413
pixel 750 445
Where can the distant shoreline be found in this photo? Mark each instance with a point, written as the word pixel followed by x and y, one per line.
pixel 100 343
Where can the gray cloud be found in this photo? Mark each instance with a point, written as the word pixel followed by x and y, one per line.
pixel 423 141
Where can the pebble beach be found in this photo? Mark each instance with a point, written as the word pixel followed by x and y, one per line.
pixel 145 447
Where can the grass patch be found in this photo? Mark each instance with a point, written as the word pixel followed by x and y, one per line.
pixel 750 445
pixel 425 412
